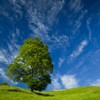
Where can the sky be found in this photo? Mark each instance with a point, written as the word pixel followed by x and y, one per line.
pixel 70 28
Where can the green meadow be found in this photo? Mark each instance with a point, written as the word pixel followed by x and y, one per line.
pixel 82 93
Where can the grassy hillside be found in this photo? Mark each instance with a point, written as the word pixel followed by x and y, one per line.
pixel 83 93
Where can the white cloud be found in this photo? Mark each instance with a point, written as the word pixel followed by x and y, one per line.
pixel 95 83
pixel 63 82
pixel 61 61
pixel 5 78
pixel 69 81
pixel 55 84
pixel 79 50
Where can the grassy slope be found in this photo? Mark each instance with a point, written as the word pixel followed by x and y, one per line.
pixel 83 93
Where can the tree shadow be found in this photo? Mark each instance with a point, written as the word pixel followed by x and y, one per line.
pixel 14 90
pixel 18 90
pixel 42 94
pixel 34 92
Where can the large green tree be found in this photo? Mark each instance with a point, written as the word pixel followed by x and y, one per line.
pixel 33 65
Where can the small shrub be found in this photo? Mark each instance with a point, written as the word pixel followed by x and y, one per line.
pixel 4 83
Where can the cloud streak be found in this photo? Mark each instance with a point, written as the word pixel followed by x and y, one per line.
pixel 60 41
pixel 60 62
pixel 78 21
pixel 88 27
pixel 79 50
pixel 75 5
pixel 5 78
pixel 8 55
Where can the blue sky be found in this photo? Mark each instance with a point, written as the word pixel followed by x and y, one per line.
pixel 71 29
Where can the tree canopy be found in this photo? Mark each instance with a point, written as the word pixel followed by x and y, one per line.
pixel 33 65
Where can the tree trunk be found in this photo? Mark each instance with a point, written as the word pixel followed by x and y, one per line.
pixel 31 89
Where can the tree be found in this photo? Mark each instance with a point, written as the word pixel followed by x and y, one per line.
pixel 33 65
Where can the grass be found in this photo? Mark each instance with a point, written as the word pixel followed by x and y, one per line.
pixel 82 93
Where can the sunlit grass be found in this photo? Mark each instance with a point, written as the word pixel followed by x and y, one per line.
pixel 83 93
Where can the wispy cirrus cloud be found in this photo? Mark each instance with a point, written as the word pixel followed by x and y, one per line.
pixel 78 50
pixel 3 57
pixel 14 6
pixel 94 58
pixel 5 77
pixel 6 57
pixel 88 27
pixel 61 61
pixel 75 5
pixel 13 47
pixel 54 11
pixel 78 21
pixel 95 83
pixel 8 54
pixel 58 41
pixel 42 15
